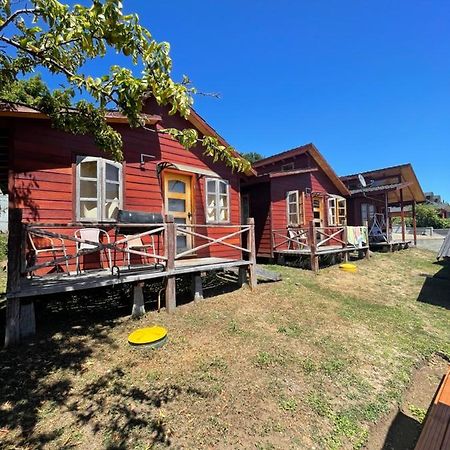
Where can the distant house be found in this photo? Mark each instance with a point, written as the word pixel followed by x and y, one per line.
pixel 292 192
pixel 436 201
pixel 374 192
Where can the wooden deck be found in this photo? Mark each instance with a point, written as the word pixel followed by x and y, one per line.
pixel 325 250
pixel 51 284
pixel 436 431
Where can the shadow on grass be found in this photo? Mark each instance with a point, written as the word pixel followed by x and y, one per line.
pixel 42 378
pixel 436 289
pixel 403 433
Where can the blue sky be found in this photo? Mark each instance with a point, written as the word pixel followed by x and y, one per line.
pixel 367 81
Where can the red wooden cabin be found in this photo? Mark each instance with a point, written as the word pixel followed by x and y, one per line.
pixel 377 196
pixel 61 182
pixel 293 191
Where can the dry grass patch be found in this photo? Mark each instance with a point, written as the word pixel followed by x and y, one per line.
pixel 310 362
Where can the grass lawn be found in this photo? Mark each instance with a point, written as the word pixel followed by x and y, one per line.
pixel 310 362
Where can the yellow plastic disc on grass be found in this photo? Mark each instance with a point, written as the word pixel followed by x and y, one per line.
pixel 347 267
pixel 148 336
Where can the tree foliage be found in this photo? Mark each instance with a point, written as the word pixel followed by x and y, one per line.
pixel 252 156
pixel 427 216
pixel 60 39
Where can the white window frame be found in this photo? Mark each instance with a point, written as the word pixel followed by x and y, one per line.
pixel 217 207
pixel 101 187
pixel 333 206
pixel 300 206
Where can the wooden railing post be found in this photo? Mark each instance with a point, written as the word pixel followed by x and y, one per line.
pixel 170 249
pixel 15 242
pixel 313 247
pixel 252 255
pixel 345 243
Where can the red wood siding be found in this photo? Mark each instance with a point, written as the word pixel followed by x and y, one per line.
pixel 300 162
pixel 42 179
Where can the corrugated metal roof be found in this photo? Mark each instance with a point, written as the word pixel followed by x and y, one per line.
pixel 385 187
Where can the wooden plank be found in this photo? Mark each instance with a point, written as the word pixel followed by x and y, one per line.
pixel 170 247
pixel 252 255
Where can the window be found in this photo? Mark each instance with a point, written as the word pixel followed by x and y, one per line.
pixel 294 201
pixel 99 188
pixel 337 210
pixel 217 201
pixel 367 212
pixel 286 167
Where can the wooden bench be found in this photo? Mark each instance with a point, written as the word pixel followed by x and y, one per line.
pixel 435 434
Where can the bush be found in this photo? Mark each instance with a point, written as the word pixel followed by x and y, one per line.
pixel 427 216
pixel 3 247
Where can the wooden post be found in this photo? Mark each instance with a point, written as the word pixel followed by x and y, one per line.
pixel 313 247
pixel 27 319
pixel 414 222
pixel 138 301
pixel 386 215
pixel 12 331
pixel 252 255
pixel 242 276
pixel 197 288
pixel 402 215
pixel 170 248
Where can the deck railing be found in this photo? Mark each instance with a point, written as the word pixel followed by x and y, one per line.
pixel 39 247
pixel 314 240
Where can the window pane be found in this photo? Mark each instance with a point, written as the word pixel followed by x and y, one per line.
pixel 211 186
pixel 88 169
pixel 177 205
pixel 111 209
pixel 292 198
pixel 88 210
pixel 88 189
pixel 177 186
pixel 211 214
pixel 112 172
pixel 112 191
pixel 180 220
pixel 223 201
pixel 293 208
pixel 181 243
pixel 223 214
pixel 211 200
pixel 222 188
pixel 293 219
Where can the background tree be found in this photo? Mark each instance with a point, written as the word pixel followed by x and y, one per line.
pixel 252 156
pixel 427 216
pixel 54 37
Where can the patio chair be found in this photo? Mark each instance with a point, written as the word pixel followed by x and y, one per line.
pixel 299 236
pixel 135 243
pixel 41 245
pixel 93 235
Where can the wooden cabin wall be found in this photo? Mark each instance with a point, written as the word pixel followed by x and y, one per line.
pixel 354 208
pixel 42 176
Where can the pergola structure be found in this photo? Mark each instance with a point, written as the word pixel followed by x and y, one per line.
pixel 378 191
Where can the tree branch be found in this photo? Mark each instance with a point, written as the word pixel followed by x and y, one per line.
pixel 15 14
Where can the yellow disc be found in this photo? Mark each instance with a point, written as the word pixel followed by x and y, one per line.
pixel 149 335
pixel 347 267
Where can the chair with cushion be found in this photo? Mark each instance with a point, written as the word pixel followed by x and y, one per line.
pixel 93 235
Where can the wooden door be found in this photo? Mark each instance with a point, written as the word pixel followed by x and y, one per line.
pixel 178 202
pixel 318 210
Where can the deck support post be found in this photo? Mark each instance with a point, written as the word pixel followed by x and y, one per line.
pixel 313 247
pixel 252 255
pixel 170 248
pixel 414 221
pixel 197 287
pixel 138 301
pixel 402 216
pixel 242 276
pixel 281 260
pixel 16 254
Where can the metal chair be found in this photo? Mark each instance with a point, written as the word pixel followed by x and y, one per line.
pixel 135 243
pixel 92 235
pixel 41 245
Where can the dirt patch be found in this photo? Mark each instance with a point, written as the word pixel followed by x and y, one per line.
pixel 401 428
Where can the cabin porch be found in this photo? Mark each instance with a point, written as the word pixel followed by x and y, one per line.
pixel 314 242
pixel 212 248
